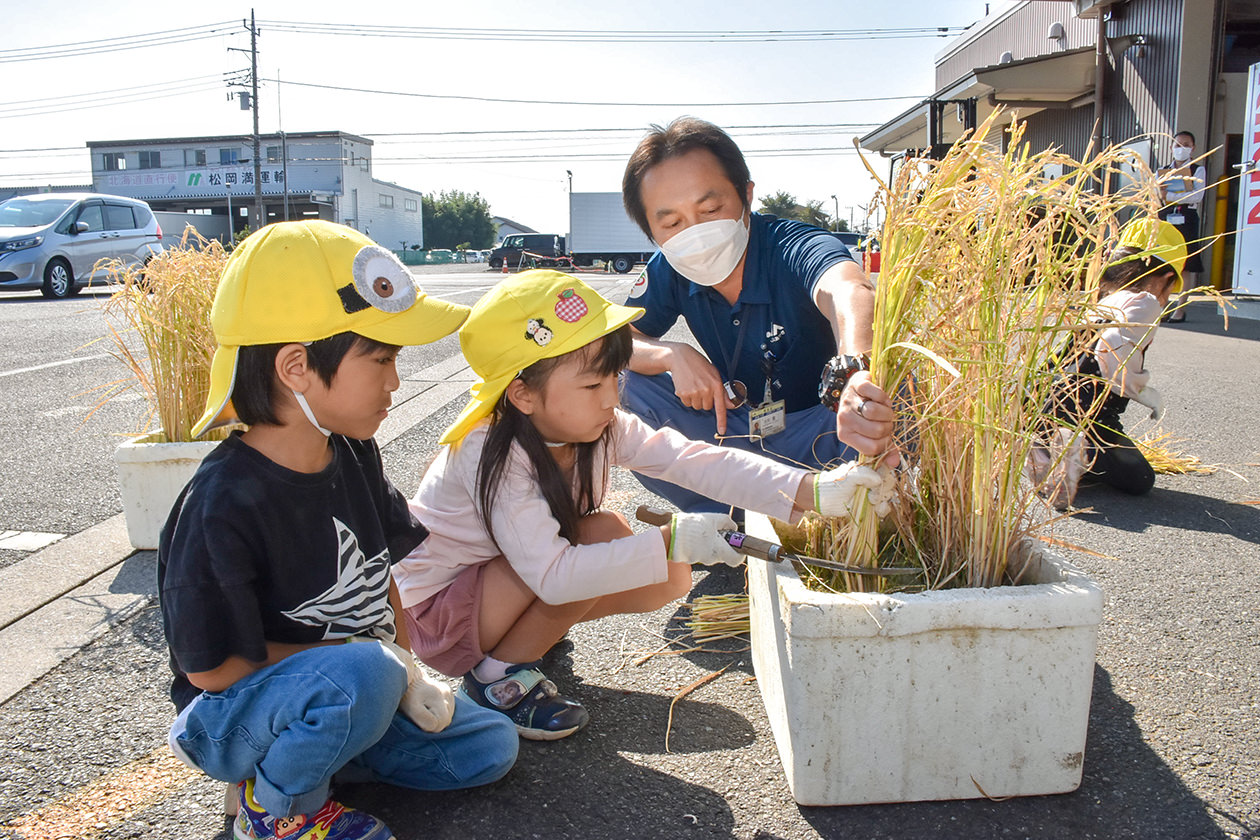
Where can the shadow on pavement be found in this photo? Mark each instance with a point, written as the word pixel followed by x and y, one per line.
pixel 1127 792
pixel 1169 509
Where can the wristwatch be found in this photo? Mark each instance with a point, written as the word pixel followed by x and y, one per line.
pixel 835 376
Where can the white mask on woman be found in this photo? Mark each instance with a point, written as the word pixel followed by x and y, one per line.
pixel 707 253
pixel 1181 154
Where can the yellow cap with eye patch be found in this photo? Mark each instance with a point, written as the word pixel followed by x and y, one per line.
pixel 310 280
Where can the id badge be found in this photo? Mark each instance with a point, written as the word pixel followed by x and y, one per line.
pixel 1175 219
pixel 767 419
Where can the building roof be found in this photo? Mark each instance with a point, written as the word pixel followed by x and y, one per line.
pixel 228 138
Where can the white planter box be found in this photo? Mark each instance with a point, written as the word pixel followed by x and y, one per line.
pixel 954 694
pixel 150 478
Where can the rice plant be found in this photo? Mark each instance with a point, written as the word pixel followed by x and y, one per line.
pixel 159 324
pixel 991 258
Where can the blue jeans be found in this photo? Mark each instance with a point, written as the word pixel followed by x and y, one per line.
pixel 292 725
pixel 809 440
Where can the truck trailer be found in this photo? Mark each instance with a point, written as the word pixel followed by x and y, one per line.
pixel 599 229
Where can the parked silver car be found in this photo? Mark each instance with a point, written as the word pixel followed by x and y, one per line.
pixel 54 241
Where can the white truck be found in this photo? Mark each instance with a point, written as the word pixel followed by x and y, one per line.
pixel 599 229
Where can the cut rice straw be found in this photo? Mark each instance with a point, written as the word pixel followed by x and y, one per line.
pixel 1157 446
pixel 683 692
pixel 715 617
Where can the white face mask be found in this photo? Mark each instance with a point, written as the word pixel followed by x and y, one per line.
pixel 1181 154
pixel 707 253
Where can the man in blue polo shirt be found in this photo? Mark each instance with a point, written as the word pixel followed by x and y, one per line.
pixel 770 301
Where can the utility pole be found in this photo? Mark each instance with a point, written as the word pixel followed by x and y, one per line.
pixel 260 216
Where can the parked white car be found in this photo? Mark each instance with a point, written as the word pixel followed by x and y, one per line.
pixel 56 242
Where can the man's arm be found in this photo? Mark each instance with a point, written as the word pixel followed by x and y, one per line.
pixel 696 381
pixel 846 298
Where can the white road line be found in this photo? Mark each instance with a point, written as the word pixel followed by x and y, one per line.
pixel 73 361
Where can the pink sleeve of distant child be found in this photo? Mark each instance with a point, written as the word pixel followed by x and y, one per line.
pixel 731 476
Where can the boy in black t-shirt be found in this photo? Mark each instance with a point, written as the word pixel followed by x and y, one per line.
pixel 279 550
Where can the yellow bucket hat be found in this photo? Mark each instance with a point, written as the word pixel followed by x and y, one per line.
pixel 307 281
pixel 1159 239
pixel 534 315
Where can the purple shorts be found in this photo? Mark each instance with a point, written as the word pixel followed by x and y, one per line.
pixel 443 629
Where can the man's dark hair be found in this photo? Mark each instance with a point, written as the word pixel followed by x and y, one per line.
pixel 678 138
pixel 254 391
pixel 1189 134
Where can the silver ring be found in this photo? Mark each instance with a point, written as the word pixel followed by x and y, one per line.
pixel 861 409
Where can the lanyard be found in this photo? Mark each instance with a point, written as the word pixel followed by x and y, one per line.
pixel 731 359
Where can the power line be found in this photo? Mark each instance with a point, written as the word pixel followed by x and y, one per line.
pixel 124 42
pixel 596 104
pixel 614 36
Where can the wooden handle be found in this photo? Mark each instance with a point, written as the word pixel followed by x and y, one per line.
pixel 653 516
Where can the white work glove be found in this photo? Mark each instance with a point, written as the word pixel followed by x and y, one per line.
pixel 835 490
pixel 694 538
pixel 428 702
pixel 1153 400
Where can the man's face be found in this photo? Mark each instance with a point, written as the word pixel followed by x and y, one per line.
pixel 686 190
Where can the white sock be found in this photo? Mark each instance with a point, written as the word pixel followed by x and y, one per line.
pixel 490 670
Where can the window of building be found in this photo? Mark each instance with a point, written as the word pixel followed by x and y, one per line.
pixel 409 204
pixel 387 200
pixel 273 154
pixel 151 160
pixel 113 161
pixel 365 163
pixel 229 156
pixel 194 157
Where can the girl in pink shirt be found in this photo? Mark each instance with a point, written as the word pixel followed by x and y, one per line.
pixel 519 550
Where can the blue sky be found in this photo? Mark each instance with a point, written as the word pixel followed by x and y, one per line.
pixel 176 90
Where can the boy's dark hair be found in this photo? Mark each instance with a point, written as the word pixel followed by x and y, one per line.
pixel 254 391
pixel 609 355
pixel 679 137
pixel 1189 134
pixel 1127 269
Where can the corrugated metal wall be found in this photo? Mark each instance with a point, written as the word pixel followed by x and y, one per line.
pixel 1022 33
pixel 1141 92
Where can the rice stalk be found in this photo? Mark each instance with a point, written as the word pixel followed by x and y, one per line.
pixel 989 280
pixel 159 324
pixel 715 617
pixel 1157 447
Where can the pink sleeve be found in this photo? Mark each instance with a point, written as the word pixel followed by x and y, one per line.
pixel 556 571
pixel 731 476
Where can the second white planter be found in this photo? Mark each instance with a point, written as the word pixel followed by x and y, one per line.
pixel 151 475
pixel 956 694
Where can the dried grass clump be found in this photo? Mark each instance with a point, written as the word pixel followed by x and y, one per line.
pixel 990 268
pixel 159 322
pixel 715 617
pixel 1157 446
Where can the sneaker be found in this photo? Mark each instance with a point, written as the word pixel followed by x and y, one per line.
pixel 331 822
pixel 531 700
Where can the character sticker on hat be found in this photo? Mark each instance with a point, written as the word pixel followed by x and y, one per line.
pixel 538 331
pixel 570 308
pixel 380 281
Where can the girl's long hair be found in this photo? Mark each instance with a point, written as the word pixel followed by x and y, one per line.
pixel 608 355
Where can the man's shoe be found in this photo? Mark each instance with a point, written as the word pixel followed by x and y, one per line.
pixel 331 822
pixel 531 700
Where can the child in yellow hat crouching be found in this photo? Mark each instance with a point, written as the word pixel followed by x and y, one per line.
pixel 519 550
pixel 1143 273
pixel 279 549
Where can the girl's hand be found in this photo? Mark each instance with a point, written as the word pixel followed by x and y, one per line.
pixel 694 539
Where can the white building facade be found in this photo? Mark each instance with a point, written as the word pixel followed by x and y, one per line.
pixel 328 175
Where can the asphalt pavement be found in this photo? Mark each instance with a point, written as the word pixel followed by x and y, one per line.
pixel 1174 734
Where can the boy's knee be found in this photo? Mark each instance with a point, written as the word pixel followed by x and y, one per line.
pixel 371 662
